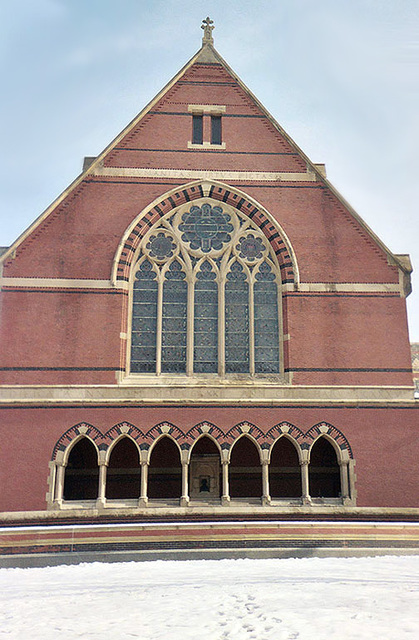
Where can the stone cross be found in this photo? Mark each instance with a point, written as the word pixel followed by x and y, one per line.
pixel 207 27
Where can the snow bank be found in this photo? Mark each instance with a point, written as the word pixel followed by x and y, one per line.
pixel 289 599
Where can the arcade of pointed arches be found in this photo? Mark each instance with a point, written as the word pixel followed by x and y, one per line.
pixel 206 466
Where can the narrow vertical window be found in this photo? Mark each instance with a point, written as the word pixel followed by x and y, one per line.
pixel 175 300
pixel 266 321
pixel 215 129
pixel 236 321
pixel 197 129
pixel 144 320
pixel 206 321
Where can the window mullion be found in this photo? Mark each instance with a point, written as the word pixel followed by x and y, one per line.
pixel 190 326
pixel 159 324
pixel 251 329
pixel 221 325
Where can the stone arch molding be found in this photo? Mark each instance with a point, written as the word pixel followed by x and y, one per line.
pixel 126 252
pixel 225 440
pixel 185 440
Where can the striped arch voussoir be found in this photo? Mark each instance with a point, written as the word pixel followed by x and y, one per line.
pixel 203 429
pixel 244 428
pixel 124 428
pixel 166 429
pixel 189 194
pixel 81 429
pixel 324 428
pixel 285 428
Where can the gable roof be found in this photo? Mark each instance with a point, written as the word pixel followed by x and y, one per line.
pixel 207 54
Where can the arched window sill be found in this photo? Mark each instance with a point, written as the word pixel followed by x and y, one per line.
pixel 213 380
pixel 291 505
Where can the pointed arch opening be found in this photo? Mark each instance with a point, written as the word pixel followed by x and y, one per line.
pixel 165 471
pixel 206 294
pixel 205 471
pixel 81 480
pixel 245 470
pixel 324 471
pixel 123 474
pixel 284 470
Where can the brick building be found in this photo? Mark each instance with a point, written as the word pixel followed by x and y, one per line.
pixel 201 321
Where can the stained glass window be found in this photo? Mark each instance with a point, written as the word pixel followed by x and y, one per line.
pixel 266 321
pixel 206 320
pixel 175 299
pixel 236 320
pixel 205 296
pixel 144 320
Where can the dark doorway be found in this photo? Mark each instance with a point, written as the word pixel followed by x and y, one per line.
pixel 165 471
pixel 324 472
pixel 123 475
pixel 205 480
pixel 284 471
pixel 245 470
pixel 82 472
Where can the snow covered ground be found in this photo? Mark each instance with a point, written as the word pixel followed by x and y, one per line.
pixel 290 599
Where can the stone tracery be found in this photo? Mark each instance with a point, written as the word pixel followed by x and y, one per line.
pixel 206 295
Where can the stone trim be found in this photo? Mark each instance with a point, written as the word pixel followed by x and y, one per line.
pixel 204 146
pixel 61 283
pixel 210 109
pixel 126 253
pixel 193 391
pixel 205 174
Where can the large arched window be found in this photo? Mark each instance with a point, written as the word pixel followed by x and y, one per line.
pixel 205 296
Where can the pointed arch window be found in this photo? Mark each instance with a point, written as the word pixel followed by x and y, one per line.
pixel 206 296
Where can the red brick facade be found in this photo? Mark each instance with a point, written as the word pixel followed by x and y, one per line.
pixel 66 310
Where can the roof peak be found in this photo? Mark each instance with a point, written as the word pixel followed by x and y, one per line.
pixel 207 26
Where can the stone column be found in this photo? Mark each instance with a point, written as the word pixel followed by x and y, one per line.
pixel 101 498
pixel 142 502
pixel 184 500
pixel 344 484
pixel 225 497
pixel 304 481
pixel 59 484
pixel 266 498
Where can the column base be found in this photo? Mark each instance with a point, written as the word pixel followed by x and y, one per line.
pixel 100 503
pixel 307 500
pixel 184 501
pixel 266 501
pixel 143 502
pixel 225 501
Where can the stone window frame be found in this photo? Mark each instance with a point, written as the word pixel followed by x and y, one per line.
pixel 207 111
pixel 183 254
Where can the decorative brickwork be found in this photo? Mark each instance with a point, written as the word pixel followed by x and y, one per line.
pixel 225 439
pixel 190 193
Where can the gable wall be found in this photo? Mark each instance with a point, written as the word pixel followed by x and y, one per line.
pixel 333 338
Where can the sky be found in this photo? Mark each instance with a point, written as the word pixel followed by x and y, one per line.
pixel 340 76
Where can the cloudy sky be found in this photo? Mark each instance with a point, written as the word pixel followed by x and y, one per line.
pixel 341 76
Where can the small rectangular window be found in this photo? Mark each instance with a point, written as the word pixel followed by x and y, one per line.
pixel 215 129
pixel 197 129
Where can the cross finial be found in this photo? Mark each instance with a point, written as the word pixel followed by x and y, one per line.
pixel 207 27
